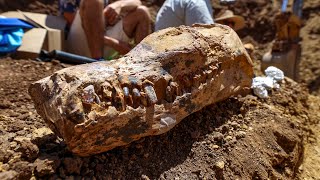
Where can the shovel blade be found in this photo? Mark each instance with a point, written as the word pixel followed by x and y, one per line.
pixel 287 61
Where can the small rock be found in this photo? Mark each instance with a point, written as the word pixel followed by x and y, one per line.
pixel 225 128
pixel 8 175
pixel 5 104
pixel 73 165
pixel 245 127
pixel 240 134
pixel 42 135
pixel 23 168
pixel 214 146
pixel 13 145
pixel 228 138
pixel 11 136
pixel 218 136
pixel 219 165
pixel 46 165
pixel 235 124
pixel 29 150
pixel 144 177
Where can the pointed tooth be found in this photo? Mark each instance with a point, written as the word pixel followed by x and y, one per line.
pixel 151 94
pixel 213 68
pixel 169 94
pixel 143 99
pixel 209 74
pixel 126 91
pixel 136 96
pixel 136 92
pixel 119 98
pixel 196 80
pixel 175 88
pixel 203 76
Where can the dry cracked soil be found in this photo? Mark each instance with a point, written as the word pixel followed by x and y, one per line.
pixel 239 138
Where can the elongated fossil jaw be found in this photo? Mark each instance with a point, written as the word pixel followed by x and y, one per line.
pixel 169 75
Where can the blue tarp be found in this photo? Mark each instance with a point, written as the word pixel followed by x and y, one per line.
pixel 11 33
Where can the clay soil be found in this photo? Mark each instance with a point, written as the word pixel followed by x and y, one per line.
pixel 239 138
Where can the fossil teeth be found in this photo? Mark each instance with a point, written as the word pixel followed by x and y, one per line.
pixel 175 88
pixel 169 94
pixel 196 80
pixel 143 99
pixel 119 98
pixel 151 94
pixel 209 74
pixel 126 91
pixel 203 76
pixel 213 68
pixel 136 96
pixel 136 92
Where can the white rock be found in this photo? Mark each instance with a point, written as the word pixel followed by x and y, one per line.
pixel 274 73
pixel 266 82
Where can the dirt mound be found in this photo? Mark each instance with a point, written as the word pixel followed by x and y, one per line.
pixel 242 137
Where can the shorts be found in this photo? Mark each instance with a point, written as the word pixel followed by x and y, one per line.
pixel 77 41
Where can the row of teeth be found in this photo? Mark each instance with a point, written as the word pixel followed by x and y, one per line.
pixel 134 93
pixel 133 96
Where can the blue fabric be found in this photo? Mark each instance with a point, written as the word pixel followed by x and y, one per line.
pixel 71 6
pixel 8 23
pixel 10 40
pixel 11 33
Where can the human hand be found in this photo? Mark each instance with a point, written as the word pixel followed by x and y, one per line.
pixel 112 14
pixel 120 46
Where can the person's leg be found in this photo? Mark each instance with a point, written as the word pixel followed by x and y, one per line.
pixel 137 24
pixel 91 12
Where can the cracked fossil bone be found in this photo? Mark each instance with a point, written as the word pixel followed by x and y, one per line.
pixel 169 75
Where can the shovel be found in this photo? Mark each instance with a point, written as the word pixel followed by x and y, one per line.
pixel 286 50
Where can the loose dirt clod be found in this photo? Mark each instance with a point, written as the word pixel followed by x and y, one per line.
pixel 169 75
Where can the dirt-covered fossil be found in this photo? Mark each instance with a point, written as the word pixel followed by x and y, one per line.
pixel 169 75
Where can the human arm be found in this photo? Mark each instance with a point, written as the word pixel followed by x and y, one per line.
pixel 120 46
pixel 113 10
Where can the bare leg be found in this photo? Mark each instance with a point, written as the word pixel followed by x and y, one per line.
pixel 91 12
pixel 137 24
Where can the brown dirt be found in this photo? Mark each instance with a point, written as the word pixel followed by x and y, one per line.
pixel 240 138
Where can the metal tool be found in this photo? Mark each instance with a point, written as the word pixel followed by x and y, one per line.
pixel 64 57
pixel 286 50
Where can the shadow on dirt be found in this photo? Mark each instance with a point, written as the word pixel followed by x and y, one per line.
pixel 314 85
